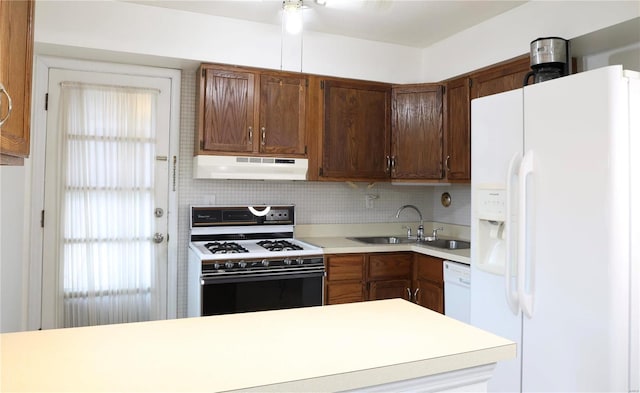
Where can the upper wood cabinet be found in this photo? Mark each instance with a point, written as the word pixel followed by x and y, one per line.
pixel 250 112
pixel 355 130
pixel 457 160
pixel 417 132
pixel 505 76
pixel 16 59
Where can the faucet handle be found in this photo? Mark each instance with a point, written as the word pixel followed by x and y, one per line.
pixel 408 228
pixel 434 233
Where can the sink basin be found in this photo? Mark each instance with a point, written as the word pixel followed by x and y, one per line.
pixel 448 244
pixel 383 239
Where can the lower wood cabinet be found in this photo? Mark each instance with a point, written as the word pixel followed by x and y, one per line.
pixel 375 276
pixel 428 282
pixel 345 281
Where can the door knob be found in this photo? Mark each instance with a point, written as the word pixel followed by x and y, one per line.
pixel 158 238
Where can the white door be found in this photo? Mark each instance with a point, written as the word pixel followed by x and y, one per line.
pixel 575 336
pixel 106 198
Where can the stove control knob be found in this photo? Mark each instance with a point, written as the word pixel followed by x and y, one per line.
pixel 228 265
pixel 299 261
pixel 287 261
pixel 216 266
pixel 242 264
pixel 265 263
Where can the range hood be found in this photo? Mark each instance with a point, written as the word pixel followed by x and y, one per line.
pixel 252 168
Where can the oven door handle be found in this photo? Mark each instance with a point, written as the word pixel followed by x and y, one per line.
pixel 216 279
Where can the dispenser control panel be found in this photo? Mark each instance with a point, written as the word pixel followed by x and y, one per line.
pixel 491 203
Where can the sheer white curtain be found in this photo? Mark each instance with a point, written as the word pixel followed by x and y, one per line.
pixel 107 264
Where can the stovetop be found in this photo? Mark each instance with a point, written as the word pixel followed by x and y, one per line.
pixel 251 249
pixel 246 233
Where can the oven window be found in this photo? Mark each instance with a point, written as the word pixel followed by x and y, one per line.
pixel 270 294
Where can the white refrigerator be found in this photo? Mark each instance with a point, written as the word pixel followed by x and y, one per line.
pixel 555 231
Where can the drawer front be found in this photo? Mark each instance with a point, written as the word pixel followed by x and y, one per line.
pixel 389 266
pixel 344 292
pixel 345 267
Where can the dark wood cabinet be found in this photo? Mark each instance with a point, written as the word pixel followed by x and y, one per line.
pixel 457 160
pixel 16 59
pixel 389 275
pixel 417 132
pixel 345 282
pixel 386 275
pixel 501 77
pixel 250 112
pixel 355 130
pixel 428 282
pixel 226 119
pixel 282 114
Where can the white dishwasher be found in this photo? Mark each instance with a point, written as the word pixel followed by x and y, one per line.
pixel 457 290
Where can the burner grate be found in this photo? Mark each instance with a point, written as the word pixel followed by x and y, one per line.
pixel 225 248
pixel 279 245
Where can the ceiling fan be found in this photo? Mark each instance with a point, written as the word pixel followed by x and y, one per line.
pixel 292 9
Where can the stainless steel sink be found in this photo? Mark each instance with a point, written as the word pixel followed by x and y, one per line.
pixel 429 241
pixel 383 239
pixel 448 244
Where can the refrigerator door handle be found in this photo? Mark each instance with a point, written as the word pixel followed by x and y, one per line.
pixel 510 293
pixel 525 298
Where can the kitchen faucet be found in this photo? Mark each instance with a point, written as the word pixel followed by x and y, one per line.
pixel 420 234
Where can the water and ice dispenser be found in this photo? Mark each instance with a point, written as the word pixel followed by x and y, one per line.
pixel 491 236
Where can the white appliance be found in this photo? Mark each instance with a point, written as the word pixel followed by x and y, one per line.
pixel 457 292
pixel 555 231
pixel 256 168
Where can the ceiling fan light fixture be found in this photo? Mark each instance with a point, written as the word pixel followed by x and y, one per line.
pixel 292 16
pixel 320 2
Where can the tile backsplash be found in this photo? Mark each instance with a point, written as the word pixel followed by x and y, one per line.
pixel 316 202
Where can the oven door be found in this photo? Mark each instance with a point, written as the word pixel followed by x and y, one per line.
pixel 260 292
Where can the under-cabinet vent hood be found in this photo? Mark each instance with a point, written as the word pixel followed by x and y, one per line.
pixel 253 168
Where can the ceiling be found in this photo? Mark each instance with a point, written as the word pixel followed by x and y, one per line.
pixel 416 23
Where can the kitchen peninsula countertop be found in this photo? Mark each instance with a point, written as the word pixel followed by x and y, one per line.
pixel 324 348
pixel 334 239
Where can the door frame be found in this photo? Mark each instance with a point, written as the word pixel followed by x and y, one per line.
pixel 42 65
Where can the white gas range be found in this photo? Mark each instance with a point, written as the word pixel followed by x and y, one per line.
pixel 245 258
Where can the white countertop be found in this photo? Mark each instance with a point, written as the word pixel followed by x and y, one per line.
pixel 333 238
pixel 341 245
pixel 323 348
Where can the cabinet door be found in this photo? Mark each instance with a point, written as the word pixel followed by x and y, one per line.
pixel 344 292
pixel 429 295
pixel 458 131
pixel 282 114
pixel 16 59
pixel 356 131
pixel 345 278
pixel 390 289
pixel 417 132
pixel 390 266
pixel 501 77
pixel 429 282
pixel 226 111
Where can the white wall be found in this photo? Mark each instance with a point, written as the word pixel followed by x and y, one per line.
pixel 508 35
pixel 12 263
pixel 152 31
